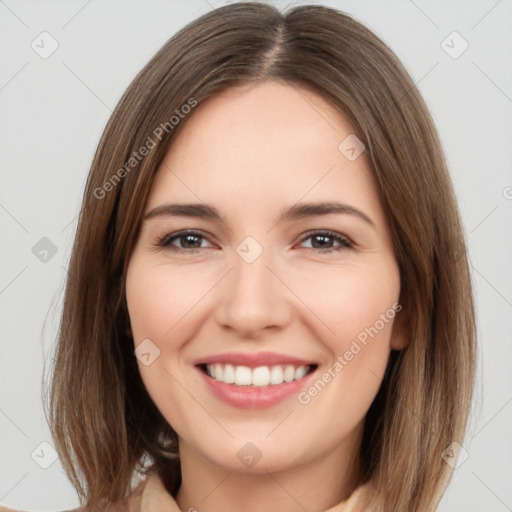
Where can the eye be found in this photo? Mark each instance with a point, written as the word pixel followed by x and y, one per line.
pixel 323 240
pixel 189 240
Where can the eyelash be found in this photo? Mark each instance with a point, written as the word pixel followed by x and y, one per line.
pixel 165 241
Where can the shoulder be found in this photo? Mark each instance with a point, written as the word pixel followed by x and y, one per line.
pixel 130 504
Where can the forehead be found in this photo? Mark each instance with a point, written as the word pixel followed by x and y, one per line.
pixel 261 142
pixel 279 117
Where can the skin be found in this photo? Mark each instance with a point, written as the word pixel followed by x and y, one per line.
pixel 252 151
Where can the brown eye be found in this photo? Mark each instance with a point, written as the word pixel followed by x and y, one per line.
pixel 187 241
pixel 322 241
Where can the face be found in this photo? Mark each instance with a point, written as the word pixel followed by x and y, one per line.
pixel 266 322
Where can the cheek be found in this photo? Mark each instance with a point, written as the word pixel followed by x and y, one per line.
pixel 160 298
pixel 160 305
pixel 359 306
pixel 351 301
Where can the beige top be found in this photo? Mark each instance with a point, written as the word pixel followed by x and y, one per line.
pixel 150 495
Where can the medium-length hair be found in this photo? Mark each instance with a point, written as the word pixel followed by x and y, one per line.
pixel 105 426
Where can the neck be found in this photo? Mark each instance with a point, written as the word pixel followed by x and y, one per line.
pixel 316 486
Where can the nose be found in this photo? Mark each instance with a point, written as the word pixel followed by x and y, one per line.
pixel 254 298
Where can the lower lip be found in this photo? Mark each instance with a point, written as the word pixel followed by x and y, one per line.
pixel 254 397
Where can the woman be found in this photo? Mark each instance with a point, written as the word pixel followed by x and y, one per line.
pixel 313 349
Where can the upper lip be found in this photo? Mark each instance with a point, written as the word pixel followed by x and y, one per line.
pixel 253 360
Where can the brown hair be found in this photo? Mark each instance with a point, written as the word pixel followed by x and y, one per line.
pixel 104 423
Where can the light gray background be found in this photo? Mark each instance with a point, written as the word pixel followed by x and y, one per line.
pixel 52 114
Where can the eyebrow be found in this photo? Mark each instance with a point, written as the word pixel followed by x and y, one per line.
pixel 295 212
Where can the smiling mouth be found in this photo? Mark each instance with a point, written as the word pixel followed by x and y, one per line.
pixel 259 377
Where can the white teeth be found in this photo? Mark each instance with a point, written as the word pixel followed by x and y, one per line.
pixel 229 374
pixel 261 376
pixel 276 375
pixel 289 373
pixel 258 377
pixel 300 372
pixel 243 376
